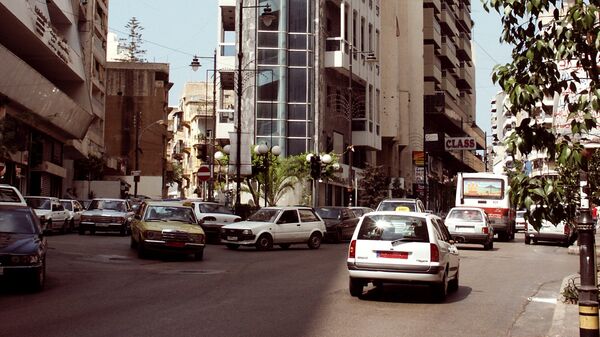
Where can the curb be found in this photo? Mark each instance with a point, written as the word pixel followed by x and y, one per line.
pixel 566 315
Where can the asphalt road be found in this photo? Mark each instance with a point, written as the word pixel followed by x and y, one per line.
pixel 97 286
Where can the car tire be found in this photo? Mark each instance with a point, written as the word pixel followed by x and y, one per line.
pixel 489 245
pixel 38 277
pixel 66 227
pixel 339 237
pixel 232 246
pixel 93 230
pixel 314 241
pixel 72 226
pixel 503 236
pixel 49 226
pixel 141 250
pixel 453 284
pixel 527 239
pixel 534 241
pixel 133 244
pixel 440 290
pixel 264 242
pixel 81 230
pixel 356 287
pixel 285 246
pixel 199 255
pixel 123 230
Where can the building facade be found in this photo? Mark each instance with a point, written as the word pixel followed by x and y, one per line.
pixel 52 90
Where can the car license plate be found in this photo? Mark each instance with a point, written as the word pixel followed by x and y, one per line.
pixel 464 229
pixel 232 238
pixel 175 244
pixel 392 255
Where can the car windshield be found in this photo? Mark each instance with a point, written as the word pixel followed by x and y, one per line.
pixel 465 215
pixel 214 208
pixel 19 221
pixel 265 215
pixel 67 205
pixel 114 205
pixel 38 203
pixel 9 195
pixel 397 206
pixel 329 213
pixel 393 228
pixel 170 213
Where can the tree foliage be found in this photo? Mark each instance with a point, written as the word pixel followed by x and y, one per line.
pixel 375 184
pixel 132 45
pixel 544 34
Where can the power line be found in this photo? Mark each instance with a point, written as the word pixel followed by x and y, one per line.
pixel 156 44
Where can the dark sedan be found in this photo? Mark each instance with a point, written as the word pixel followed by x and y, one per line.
pixel 22 246
pixel 340 222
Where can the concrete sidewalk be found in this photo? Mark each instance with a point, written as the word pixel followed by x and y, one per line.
pixel 565 322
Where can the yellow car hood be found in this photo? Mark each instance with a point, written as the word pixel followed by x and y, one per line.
pixel 171 225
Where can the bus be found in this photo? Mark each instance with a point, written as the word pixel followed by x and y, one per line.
pixel 488 191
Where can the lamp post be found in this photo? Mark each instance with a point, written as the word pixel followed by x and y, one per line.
pixel 267 18
pixel 370 58
pixel 315 161
pixel 195 66
pixel 266 152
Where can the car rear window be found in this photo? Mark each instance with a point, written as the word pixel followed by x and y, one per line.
pixel 393 228
pixel 9 195
pixel 329 213
pixel 392 205
pixel 465 214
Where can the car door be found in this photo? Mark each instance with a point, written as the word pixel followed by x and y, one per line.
pixel 446 245
pixel 349 223
pixel 310 222
pixel 287 227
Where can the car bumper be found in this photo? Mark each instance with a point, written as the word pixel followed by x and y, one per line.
pixel 243 240
pixel 104 226
pixel 556 237
pixel 434 274
pixel 462 237
pixel 167 246
pixel 17 270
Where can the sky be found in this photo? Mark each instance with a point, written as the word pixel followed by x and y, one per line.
pixel 176 30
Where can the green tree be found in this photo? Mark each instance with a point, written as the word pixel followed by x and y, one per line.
pixel 375 184
pixel 132 45
pixel 542 34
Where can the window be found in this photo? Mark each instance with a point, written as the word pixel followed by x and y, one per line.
pixel 393 227
pixel 289 216
pixel 298 15
pixel 307 215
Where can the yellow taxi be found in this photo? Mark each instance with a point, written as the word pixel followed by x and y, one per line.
pixel 167 226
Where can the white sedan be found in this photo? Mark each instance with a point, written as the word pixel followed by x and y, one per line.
pixel 213 216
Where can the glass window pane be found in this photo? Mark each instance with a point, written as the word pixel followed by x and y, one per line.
pixel 296 129
pixel 297 17
pixel 265 127
pixel 297 58
pixel 267 56
pixel 268 83
pixel 297 85
pixel 296 146
pixel 297 111
pixel 267 39
pixel 266 110
pixel 297 41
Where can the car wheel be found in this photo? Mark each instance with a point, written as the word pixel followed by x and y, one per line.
pixel 338 236
pixel 38 278
pixel 565 243
pixel 72 226
pixel 133 243
pixel 440 290
pixel 232 246
pixel 81 230
pixel 66 227
pixel 93 230
pixel 49 226
pixel 264 242
pixel 199 255
pixel 511 235
pixel 141 250
pixel 453 284
pixel 503 236
pixel 534 241
pixel 489 245
pixel 285 245
pixel 527 239
pixel 356 287
pixel 123 230
pixel 314 241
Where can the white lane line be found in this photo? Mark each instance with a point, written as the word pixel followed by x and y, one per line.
pixel 542 300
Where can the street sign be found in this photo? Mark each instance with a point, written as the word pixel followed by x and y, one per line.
pixel 203 173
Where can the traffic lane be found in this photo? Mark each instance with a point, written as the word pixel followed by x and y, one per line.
pixel 97 286
pixel 494 290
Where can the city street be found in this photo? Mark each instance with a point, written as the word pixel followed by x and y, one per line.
pixel 97 286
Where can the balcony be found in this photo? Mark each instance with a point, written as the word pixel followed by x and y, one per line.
pixel 466 78
pixel 463 50
pixel 448 54
pixel 431 28
pixel 464 17
pixel 449 86
pixel 447 22
pixel 433 4
pixel 432 65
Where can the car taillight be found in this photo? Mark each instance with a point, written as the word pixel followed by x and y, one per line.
pixel 485 230
pixel 237 220
pixel 352 250
pixel 567 229
pixel 434 252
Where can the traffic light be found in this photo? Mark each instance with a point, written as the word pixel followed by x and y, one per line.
pixel 315 167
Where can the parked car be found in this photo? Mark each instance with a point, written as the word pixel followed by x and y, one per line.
pixel 340 222
pixel 51 213
pixel 213 216
pixel 520 224
pixel 23 248
pixel 470 225
pixel 401 204
pixel 360 211
pixel 563 233
pixel 75 209
pixel 404 248
pixel 104 214
pixel 167 226
pixel 10 195
pixel 276 225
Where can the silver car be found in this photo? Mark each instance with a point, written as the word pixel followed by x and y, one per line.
pixel 562 233
pixel 470 225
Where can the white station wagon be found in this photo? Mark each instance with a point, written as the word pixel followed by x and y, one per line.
pixel 405 248
pixel 282 226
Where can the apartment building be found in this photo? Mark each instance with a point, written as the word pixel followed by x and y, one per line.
pixel 311 81
pixel 52 90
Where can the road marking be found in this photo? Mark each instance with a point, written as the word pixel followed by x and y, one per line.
pixel 542 300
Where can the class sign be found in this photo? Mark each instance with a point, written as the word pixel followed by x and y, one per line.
pixel 460 143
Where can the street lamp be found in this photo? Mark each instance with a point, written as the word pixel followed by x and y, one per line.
pixel 315 171
pixel 195 66
pixel 266 152
pixel 267 18
pixel 370 57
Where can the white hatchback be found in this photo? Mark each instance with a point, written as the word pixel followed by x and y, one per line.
pixel 470 225
pixel 405 248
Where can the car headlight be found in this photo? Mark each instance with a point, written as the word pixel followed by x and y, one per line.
pixel 199 238
pixel 223 230
pixel 85 218
pixel 152 235
pixel 247 232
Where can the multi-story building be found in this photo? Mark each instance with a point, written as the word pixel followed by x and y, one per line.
pixel 52 89
pixel 309 81
pixel 137 111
